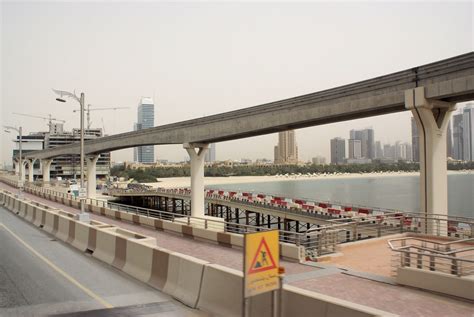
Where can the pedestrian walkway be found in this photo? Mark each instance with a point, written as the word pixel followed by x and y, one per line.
pixel 324 279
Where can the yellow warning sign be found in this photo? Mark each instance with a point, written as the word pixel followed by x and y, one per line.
pixel 261 261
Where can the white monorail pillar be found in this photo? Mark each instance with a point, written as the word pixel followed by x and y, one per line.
pixel 91 176
pixel 23 170
pixel 197 176
pixel 31 163
pixel 46 165
pixel 17 167
pixel 432 119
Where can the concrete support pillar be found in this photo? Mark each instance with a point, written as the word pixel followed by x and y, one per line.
pixel 31 163
pixel 23 171
pixel 17 168
pixel 197 176
pixel 46 165
pixel 432 119
pixel 91 176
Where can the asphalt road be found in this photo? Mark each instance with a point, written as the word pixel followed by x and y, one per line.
pixel 40 276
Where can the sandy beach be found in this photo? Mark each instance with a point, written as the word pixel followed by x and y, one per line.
pixel 179 182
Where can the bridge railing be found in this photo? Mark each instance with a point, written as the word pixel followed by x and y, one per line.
pixel 325 238
pixel 453 257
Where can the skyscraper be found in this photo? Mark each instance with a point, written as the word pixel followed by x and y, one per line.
pixel 367 141
pixel 338 150
pixel 145 120
pixel 468 132
pixel 286 152
pixel 415 141
pixel 355 150
pixel 378 150
pixel 449 141
pixel 211 153
pixel 458 153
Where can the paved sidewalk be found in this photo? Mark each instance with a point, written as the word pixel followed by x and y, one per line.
pixel 400 300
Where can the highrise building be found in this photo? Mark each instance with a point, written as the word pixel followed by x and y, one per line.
pixel 468 132
pixel 449 141
pixel 67 166
pixel 408 151
pixel 458 153
pixel 366 138
pixel 338 150
pixel 415 141
pixel 319 160
pixel 355 149
pixel 211 153
pixel 286 152
pixel 378 150
pixel 388 151
pixel 145 120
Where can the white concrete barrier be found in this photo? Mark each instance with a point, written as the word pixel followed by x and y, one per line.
pixel 221 291
pixel 105 246
pixel 139 259
pixel 184 278
pixel 438 282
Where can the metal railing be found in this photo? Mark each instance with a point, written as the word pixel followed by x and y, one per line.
pixel 453 257
pixel 316 241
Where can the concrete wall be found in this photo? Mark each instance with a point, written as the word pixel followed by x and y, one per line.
pixel 437 282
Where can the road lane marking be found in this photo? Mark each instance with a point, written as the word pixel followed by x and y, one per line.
pixel 57 269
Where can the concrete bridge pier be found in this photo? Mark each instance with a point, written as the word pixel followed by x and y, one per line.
pixel 91 176
pixel 46 165
pixel 17 167
pixel 197 176
pixel 432 119
pixel 31 163
pixel 23 171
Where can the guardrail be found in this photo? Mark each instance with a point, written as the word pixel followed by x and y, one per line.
pixel 453 257
pixel 316 241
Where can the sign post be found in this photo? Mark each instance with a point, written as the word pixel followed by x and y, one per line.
pixel 261 264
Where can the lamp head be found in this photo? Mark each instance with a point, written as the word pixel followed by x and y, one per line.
pixel 60 100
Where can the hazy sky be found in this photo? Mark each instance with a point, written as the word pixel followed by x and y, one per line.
pixel 198 59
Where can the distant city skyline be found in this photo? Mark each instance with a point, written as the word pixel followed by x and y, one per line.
pixel 175 53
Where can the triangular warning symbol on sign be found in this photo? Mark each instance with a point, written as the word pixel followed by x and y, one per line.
pixel 263 259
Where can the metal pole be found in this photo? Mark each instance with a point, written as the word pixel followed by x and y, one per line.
pixel 20 131
pixel 82 150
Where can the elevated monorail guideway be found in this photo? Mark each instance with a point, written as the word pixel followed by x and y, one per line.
pixel 429 91
pixel 449 80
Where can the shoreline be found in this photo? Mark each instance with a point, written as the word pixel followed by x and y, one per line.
pixel 179 182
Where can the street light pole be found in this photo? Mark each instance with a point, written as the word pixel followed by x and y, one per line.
pixel 81 102
pixel 83 216
pixel 20 187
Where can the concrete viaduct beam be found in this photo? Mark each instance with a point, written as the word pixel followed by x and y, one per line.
pixel 450 80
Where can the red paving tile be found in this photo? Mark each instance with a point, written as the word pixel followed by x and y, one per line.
pixel 400 300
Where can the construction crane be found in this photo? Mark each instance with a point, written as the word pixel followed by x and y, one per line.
pixel 49 118
pixel 88 112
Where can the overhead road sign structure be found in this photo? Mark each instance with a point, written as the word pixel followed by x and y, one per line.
pixel 261 262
